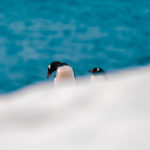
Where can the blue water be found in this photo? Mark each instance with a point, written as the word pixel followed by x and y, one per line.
pixel 83 33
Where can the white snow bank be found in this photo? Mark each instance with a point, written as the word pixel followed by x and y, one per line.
pixel 106 115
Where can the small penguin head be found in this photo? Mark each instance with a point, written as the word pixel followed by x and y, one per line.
pixel 53 67
pixel 96 70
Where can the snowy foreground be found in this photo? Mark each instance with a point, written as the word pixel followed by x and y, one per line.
pixel 106 115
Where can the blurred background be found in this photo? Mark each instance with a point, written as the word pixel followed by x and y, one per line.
pixel 114 35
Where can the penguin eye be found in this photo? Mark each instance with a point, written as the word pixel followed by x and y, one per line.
pixel 49 66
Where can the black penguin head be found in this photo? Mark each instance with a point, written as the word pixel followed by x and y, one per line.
pixel 53 67
pixel 96 71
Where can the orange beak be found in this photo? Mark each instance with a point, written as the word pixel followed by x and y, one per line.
pixel 91 71
pixel 48 75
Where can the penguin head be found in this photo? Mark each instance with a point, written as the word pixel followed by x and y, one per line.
pixel 96 71
pixel 53 66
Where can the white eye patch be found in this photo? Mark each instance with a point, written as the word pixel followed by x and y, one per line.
pixel 98 69
pixel 49 66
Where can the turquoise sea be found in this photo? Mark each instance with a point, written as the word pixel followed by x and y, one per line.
pixel 114 35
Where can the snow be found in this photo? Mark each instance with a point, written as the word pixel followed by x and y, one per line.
pixel 113 114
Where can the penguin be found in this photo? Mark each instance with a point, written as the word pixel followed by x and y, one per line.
pixel 97 73
pixel 64 72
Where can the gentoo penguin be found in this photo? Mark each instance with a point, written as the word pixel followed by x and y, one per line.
pixel 97 73
pixel 64 73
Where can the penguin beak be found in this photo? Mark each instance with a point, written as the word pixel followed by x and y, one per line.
pixel 48 75
pixel 91 71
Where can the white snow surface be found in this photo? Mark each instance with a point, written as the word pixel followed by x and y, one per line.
pixel 113 114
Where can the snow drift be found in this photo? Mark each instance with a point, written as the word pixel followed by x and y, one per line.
pixel 113 114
